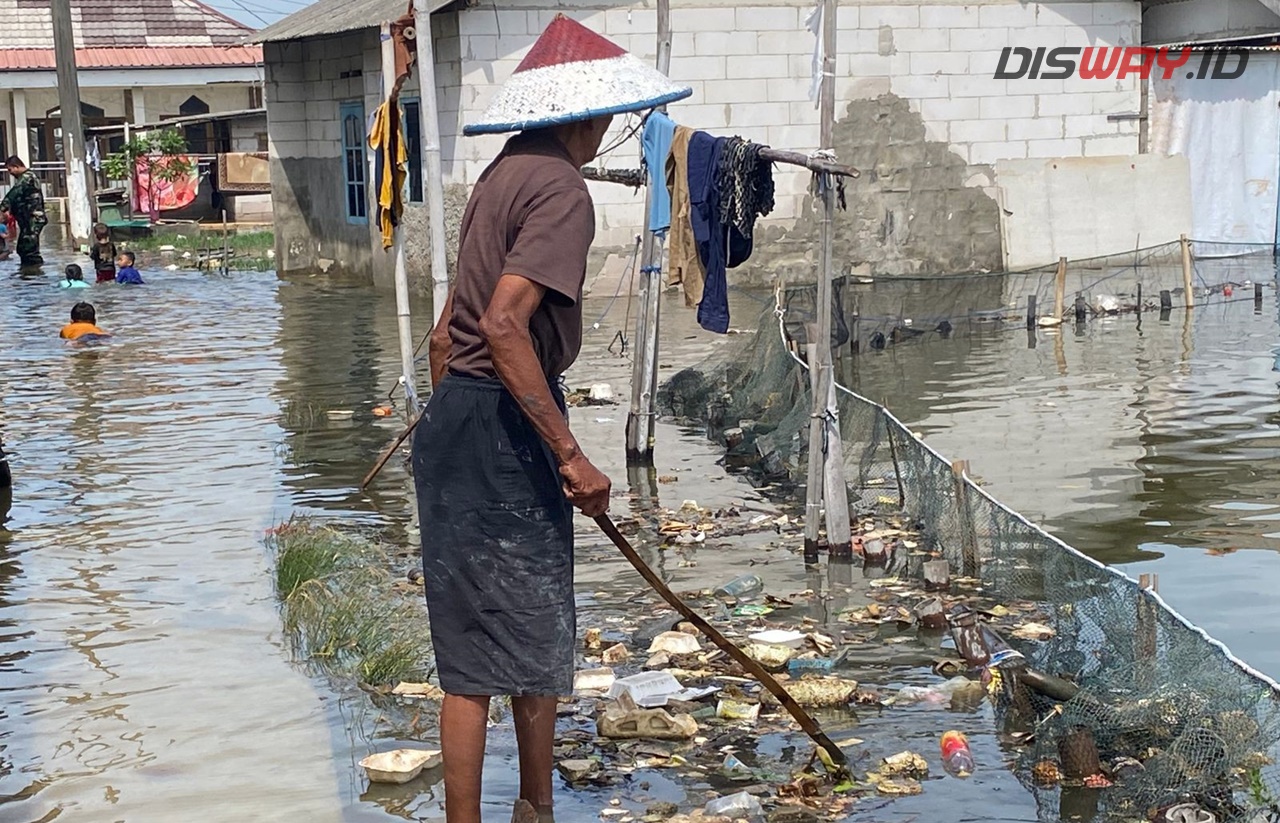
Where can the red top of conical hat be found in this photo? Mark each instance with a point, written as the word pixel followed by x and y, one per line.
pixel 568 41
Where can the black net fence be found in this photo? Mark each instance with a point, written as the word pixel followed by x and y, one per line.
pixel 877 313
pixel 1176 718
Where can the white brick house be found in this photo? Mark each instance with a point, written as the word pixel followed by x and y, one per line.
pixel 917 108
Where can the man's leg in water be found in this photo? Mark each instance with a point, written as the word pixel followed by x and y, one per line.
pixel 535 719
pixel 463 722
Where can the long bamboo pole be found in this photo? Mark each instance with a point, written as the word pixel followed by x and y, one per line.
pixel 753 668
pixel 432 170
pixel 404 324
pixel 644 373
pixel 824 427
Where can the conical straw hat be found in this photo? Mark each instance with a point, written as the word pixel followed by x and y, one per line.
pixel 573 74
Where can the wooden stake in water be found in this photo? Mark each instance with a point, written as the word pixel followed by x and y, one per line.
pixel 1186 271
pixel 1144 652
pixel 968 533
pixel 1060 289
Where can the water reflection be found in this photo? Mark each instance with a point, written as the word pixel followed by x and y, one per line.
pixel 1132 437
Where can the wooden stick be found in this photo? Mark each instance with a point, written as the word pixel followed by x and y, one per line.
pixel 795 158
pixel 897 468
pixel 1186 271
pixel 753 668
pixel 635 178
pixel 390 450
pixel 624 177
pixel 968 534
pixel 1060 289
pixel 1145 643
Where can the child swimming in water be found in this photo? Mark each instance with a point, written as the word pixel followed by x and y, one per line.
pixel 73 278
pixel 126 273
pixel 84 322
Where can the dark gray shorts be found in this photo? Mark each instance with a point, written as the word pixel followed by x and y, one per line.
pixel 497 544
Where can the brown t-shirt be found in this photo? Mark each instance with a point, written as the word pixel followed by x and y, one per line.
pixel 530 214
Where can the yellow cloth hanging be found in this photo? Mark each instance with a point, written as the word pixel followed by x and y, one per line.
pixel 391 158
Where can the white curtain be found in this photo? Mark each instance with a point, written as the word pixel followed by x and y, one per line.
pixel 1229 130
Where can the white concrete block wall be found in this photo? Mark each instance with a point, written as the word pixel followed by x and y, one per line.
pixel 305 82
pixel 750 66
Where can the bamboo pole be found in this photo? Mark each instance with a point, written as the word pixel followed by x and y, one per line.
pixel 644 373
pixel 825 448
pixel 814 480
pixel 403 322
pixel 432 171
pixel 1186 271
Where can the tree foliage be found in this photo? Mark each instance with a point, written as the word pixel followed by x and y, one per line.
pixel 161 154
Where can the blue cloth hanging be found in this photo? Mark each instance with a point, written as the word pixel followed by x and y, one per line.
pixel 655 143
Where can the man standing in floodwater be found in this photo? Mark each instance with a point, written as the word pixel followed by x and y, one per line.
pixel 497 469
pixel 25 201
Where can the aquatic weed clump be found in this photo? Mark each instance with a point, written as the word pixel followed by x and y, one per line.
pixel 341 607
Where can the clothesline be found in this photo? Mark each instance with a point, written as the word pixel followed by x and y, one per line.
pixel 635 178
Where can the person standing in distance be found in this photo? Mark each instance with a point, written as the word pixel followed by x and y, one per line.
pixel 25 201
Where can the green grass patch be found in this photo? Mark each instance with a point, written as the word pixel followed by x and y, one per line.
pixel 342 609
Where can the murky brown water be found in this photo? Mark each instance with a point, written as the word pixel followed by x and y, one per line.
pixel 142 672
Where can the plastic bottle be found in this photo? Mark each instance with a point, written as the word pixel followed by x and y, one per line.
pixel 742 587
pixel 735 806
pixel 956 757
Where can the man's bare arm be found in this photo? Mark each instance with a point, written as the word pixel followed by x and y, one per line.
pixel 441 344
pixel 505 327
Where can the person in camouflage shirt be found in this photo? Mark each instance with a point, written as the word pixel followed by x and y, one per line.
pixel 25 201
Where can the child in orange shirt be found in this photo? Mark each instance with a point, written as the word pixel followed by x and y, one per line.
pixel 83 323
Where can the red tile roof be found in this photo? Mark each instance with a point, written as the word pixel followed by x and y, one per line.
pixel 145 57
pixel 27 24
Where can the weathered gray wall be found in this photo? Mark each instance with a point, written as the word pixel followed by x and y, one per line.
pixel 305 82
pixel 917 208
pixel 1192 20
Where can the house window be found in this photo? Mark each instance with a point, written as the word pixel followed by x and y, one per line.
pixel 264 142
pixel 413 144
pixel 199 136
pixel 353 160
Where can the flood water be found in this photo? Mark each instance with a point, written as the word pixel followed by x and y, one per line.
pixel 143 676
pixel 1149 444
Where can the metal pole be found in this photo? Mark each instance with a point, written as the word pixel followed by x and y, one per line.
pixel 824 425
pixel 644 373
pixel 79 209
pixel 401 273
pixel 432 171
